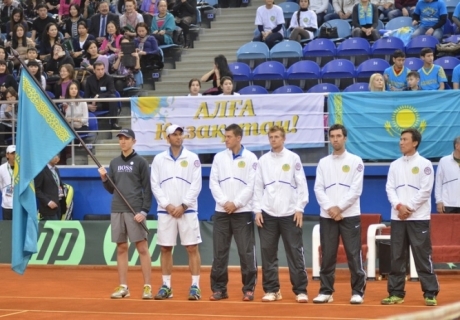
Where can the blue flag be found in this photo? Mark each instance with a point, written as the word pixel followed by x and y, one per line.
pixel 41 134
pixel 375 120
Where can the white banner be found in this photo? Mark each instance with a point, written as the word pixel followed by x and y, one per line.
pixel 205 118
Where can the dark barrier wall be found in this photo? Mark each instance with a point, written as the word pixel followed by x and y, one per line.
pixel 91 198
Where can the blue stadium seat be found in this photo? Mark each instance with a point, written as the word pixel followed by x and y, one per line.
pixel 413 63
pixel 455 38
pixel 339 69
pixel 371 66
pixel 242 75
pixel 287 52
pixel 418 43
pixel 320 50
pixel 357 87
pixel 380 25
pixel 253 90
pixel 253 53
pixel 385 47
pixel 270 74
pixel 398 22
pixel 355 49
pixel 92 126
pixel 343 28
pixel 288 9
pixel 323 87
pixel 50 94
pixel 301 72
pixel 288 89
pixel 448 64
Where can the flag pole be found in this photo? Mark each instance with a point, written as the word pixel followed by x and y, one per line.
pixel 77 136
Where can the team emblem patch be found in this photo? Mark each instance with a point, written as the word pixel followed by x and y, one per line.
pixel 184 163
pixel 241 164
pixel 298 166
pixel 360 167
pixel 427 171
pixel 254 165
pixel 346 168
pixel 286 167
pixel 197 163
pixel 415 170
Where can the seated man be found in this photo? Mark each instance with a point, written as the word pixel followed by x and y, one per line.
pixel 456 19
pixel 184 12
pixel 40 22
pixel 402 8
pixel 430 16
pixel 269 22
pixel 342 10
pixel 432 76
pixel 384 7
pixel 101 85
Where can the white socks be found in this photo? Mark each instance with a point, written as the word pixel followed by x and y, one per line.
pixel 196 281
pixel 167 281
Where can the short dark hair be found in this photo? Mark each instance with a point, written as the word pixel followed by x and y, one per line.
pixel 222 80
pixel 142 25
pixel 192 81
pixel 456 141
pixel 338 126
pixel 41 5
pixel 236 129
pixel 32 49
pixel 399 54
pixel 425 51
pixel 277 128
pixel 416 135
pixel 414 74
pixel 98 63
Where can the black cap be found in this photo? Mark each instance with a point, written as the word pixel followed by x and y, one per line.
pixel 127 133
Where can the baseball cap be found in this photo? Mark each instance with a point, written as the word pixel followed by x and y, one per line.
pixel 127 133
pixel 172 128
pixel 11 149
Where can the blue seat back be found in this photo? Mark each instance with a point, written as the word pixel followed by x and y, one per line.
pixel 386 46
pixel 320 50
pixel 92 122
pixel 286 49
pixel 340 68
pixel 323 87
pixel 447 63
pixel 354 46
pixel 253 90
pixel 398 22
pixel 303 70
pixel 253 52
pixel 288 89
pixel 413 63
pixel 240 71
pixel 371 66
pixel 343 27
pixel 288 8
pixel 270 70
pixel 357 87
pixel 419 42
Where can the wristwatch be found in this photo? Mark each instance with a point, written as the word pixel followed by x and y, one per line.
pixel 184 206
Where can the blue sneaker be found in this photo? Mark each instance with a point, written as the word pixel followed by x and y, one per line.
pixel 194 293
pixel 164 293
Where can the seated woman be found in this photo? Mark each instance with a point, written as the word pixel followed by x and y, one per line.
pixel 184 12
pixel 148 47
pixel 65 7
pixel 194 86
pixel 71 23
pixel 91 56
pixel 376 82
pixel 4 56
pixel 227 87
pixel 365 18
pixel 6 80
pixel 17 17
pixel 124 76
pixel 54 64
pixel 76 113
pixel 66 75
pixel 163 25
pixel 303 22
pixel 219 70
pixel 35 70
pixel 80 42
pixel 49 38
pixel 130 19
pixel 20 43
pixel 8 112
pixel 111 44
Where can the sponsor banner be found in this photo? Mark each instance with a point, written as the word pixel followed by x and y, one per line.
pixel 204 120
pixel 375 120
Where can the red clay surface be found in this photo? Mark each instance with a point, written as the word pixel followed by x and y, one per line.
pixel 83 293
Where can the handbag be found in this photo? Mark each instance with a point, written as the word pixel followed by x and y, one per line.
pixel 328 31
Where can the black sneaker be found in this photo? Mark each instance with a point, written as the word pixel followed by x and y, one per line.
pixel 218 295
pixel 248 296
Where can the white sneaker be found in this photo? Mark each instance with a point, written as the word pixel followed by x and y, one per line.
pixel 356 299
pixel 323 298
pixel 272 296
pixel 120 292
pixel 301 298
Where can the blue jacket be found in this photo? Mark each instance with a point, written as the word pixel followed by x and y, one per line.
pixel 169 26
pixel 150 45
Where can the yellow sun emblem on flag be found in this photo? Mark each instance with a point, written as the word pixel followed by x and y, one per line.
pixel 404 117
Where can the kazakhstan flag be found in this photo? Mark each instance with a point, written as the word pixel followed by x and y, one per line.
pixel 375 120
pixel 41 134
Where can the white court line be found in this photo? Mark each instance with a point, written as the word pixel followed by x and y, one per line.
pixel 12 314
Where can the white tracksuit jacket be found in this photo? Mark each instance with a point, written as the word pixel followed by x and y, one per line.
pixel 447 187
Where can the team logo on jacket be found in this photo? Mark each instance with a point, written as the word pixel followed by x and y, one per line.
pixel 298 166
pixel 427 171
pixel 184 163
pixel 254 165
pixel 286 167
pixel 346 168
pixel 360 167
pixel 197 163
pixel 415 170
pixel 241 164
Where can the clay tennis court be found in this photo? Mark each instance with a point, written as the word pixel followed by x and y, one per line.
pixel 45 292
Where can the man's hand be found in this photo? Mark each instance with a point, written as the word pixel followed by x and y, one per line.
pixel 405 12
pixel 230 207
pixel 414 22
pixel 92 106
pixel 139 217
pixel 440 207
pixel 334 212
pixel 52 205
pixel 102 173
pixel 298 218
pixel 404 212
pixel 170 209
pixel 429 32
pixel 178 211
pixel 259 219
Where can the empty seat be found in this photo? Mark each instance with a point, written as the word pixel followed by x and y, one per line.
pixel 270 74
pixel 448 64
pixel 288 10
pixel 398 22
pixel 357 87
pixel 303 74
pixel 254 89
pixel 288 89
pixel 323 88
pixel 416 44
pixel 385 47
pixel 286 52
pixel 355 49
pixel 320 50
pixel 339 69
pixel 253 53
pixel 413 63
pixel 242 75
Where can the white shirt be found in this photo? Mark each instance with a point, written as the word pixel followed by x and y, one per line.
pixel 233 94
pixel 190 95
pixel 339 182
pixel 6 185
pixel 410 182
pixel 307 19
pixel 177 181
pixel 232 179
pixel 269 18
pixel 281 187
pixel 79 111
pixel 447 187
pixel 345 6
pixel 318 6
